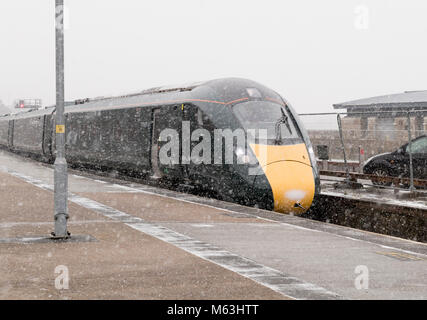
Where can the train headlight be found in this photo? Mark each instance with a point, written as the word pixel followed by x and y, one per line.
pixel 242 157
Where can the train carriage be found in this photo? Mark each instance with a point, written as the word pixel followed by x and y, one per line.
pixel 276 170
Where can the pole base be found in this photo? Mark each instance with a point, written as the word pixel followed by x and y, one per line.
pixel 46 239
pixel 54 237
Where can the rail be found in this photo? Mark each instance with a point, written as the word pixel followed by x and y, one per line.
pixel 374 178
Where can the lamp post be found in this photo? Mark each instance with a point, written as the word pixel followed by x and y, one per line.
pixel 411 164
pixel 60 171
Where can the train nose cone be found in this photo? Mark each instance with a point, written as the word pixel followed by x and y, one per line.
pixel 292 184
pixel 290 175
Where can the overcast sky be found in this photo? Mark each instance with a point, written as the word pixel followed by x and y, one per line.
pixel 314 53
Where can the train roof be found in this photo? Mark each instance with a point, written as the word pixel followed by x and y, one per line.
pixel 29 113
pixel 220 91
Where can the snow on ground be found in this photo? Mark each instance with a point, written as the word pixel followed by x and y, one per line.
pixel 379 195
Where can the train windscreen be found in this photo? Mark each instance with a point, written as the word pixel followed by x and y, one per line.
pixel 270 117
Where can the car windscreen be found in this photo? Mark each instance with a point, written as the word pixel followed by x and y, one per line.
pixel 271 117
pixel 419 146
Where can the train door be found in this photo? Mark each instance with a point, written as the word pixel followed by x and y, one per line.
pixel 167 118
pixel 155 146
pixel 193 116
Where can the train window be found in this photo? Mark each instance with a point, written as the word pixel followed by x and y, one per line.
pixel 269 116
pixel 190 113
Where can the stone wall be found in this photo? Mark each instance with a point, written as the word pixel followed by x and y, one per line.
pixel 353 144
pixel 398 221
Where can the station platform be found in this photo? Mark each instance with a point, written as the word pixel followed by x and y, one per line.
pixel 142 242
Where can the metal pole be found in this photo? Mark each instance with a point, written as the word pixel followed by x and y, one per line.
pixel 61 176
pixel 411 168
pixel 347 170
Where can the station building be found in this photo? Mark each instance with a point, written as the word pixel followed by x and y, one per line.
pixel 386 117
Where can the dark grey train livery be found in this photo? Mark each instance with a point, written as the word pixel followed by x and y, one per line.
pixel 122 133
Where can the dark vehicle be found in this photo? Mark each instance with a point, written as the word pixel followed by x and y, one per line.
pixel 126 134
pixel 396 164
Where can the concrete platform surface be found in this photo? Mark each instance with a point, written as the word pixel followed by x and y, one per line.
pixel 160 244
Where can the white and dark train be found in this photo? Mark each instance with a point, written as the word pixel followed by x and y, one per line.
pixel 123 133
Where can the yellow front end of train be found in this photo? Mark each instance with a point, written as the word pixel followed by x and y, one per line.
pixel 290 175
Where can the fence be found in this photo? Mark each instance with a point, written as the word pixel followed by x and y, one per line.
pixel 345 141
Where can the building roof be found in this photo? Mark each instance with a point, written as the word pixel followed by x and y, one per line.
pixel 408 99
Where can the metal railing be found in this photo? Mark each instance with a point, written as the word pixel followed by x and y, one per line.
pixel 353 137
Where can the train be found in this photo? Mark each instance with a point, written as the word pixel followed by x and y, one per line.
pixel 186 134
